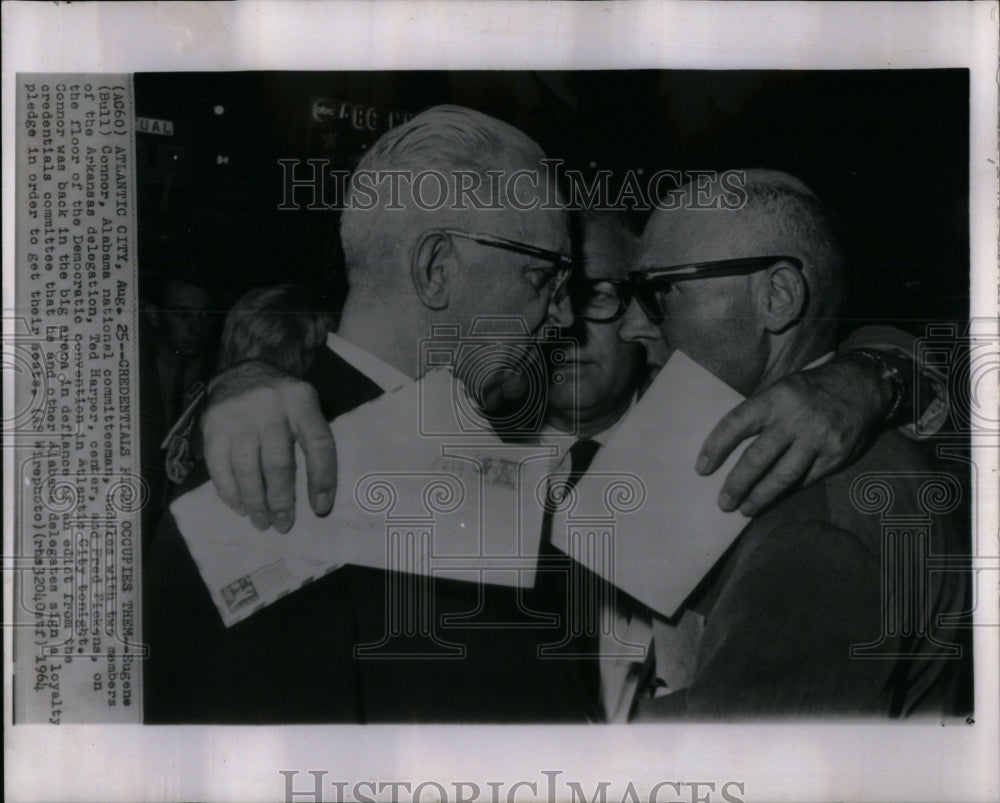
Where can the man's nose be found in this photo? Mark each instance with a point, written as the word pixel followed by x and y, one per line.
pixel 636 327
pixel 560 310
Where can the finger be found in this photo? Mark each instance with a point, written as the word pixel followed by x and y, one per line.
pixel 316 441
pixel 753 464
pixel 277 462
pixel 245 455
pixel 788 472
pixel 220 470
pixel 321 469
pixel 743 421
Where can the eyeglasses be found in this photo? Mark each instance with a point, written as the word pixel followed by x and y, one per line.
pixel 563 262
pixel 600 300
pixel 647 284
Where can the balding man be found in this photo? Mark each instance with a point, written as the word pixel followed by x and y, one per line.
pixel 801 615
pixel 409 267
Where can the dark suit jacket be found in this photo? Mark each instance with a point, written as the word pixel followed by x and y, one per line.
pixel 810 577
pixel 294 661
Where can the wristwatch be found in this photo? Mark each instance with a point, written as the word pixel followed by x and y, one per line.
pixel 891 374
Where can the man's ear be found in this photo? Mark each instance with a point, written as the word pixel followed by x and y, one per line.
pixel 432 263
pixel 783 296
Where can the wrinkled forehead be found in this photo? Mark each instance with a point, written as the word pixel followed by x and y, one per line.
pixel 683 236
pixel 608 253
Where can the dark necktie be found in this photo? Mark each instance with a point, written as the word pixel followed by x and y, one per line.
pixel 581 455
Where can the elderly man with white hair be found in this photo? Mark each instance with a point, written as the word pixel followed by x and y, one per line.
pixel 408 267
pixel 818 609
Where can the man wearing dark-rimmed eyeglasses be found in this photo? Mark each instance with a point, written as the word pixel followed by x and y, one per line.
pixel 816 609
pixel 409 269
pixel 610 371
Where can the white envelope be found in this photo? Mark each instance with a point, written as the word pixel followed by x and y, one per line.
pixel 459 505
pixel 641 517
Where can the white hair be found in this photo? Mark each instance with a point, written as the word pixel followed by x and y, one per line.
pixel 796 214
pixel 445 139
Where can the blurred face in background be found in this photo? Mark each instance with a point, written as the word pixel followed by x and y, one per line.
pixel 184 318
pixel 593 389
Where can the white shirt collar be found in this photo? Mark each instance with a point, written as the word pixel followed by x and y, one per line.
pixel 551 434
pixel 378 371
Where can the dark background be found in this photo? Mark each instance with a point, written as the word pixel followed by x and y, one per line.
pixel 888 150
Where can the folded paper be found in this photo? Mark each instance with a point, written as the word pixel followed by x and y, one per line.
pixel 641 517
pixel 459 505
